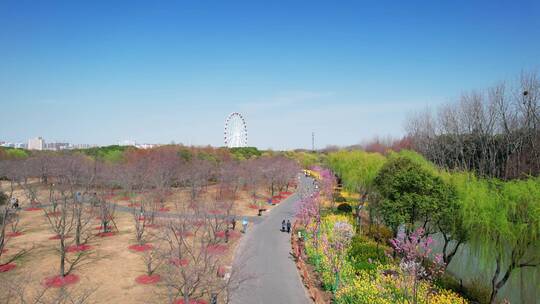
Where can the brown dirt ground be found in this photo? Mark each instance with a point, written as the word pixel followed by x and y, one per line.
pixel 113 267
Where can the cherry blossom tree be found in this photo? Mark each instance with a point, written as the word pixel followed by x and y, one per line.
pixel 308 213
pixel 417 260
pixel 327 183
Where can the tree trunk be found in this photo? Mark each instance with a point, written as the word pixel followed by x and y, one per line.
pixel 78 229
pixel 186 294
pixel 494 288
pixel 62 257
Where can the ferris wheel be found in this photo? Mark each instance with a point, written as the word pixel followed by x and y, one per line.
pixel 235 134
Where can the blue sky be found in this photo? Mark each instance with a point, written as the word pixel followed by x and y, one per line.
pixel 104 71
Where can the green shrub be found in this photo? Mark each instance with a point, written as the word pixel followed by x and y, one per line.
pixel 344 208
pixel 380 233
pixel 3 198
pixel 365 253
pixel 245 152
pixel 476 291
pixel 338 198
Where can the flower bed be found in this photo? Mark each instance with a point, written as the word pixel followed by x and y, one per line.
pixel 365 274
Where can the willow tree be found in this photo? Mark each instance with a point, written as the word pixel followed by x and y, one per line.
pixel 357 170
pixel 450 217
pixel 506 222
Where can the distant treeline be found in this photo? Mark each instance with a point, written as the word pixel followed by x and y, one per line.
pixel 115 153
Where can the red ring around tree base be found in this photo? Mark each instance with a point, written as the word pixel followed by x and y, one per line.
pixel 181 301
pixel 80 248
pixel 148 279
pixel 58 281
pixel 14 234
pixel 141 248
pixel 105 234
pixel 7 267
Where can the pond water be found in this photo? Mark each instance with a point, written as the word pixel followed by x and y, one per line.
pixel 523 286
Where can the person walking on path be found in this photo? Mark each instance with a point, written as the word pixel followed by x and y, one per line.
pixel 233 222
pixel 288 226
pixel 244 225
pixel 283 226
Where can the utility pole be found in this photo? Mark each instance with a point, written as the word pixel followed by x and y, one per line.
pixel 313 141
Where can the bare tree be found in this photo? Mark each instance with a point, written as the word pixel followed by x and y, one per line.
pixel 6 216
pixel 164 163
pixel 69 218
pixel 253 176
pixel 494 132
pixel 230 180
pixel 28 171
pixel 196 174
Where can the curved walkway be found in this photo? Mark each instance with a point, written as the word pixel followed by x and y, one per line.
pixel 269 261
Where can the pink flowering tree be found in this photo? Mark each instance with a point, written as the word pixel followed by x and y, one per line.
pixel 327 183
pixel 417 260
pixel 309 214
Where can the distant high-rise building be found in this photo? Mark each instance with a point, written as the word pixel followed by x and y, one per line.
pixel 82 146
pixel 55 146
pixel 127 143
pixel 36 143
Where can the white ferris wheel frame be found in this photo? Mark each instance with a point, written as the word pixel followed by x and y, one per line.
pixel 236 133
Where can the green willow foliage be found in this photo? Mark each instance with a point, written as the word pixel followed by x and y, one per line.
pixel 357 169
pixel 306 160
pixel 490 206
pixel 504 215
pixel 417 159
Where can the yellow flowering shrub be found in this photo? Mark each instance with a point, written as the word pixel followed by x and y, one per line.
pixel 447 297
pixel 328 221
pixel 376 287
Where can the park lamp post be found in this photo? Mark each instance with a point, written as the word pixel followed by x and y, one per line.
pixel 358 216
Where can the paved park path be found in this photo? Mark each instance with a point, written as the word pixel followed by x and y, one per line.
pixel 276 280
